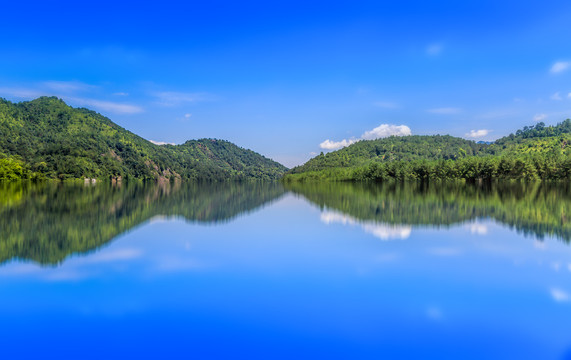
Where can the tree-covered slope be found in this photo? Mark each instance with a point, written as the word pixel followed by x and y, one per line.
pixel 47 138
pixel 536 152
pixel 394 148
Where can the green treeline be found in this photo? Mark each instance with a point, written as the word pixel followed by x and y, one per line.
pixel 537 209
pixel 47 222
pixel 45 138
pixel 536 152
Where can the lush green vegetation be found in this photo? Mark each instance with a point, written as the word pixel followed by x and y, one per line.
pixel 536 152
pixel 47 222
pixel 45 138
pixel 537 209
pixel 405 148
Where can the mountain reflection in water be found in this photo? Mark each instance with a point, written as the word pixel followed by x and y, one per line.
pixel 48 222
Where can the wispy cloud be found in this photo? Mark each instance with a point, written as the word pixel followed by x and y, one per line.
pixel 445 110
pixel 386 104
pixel 113 107
pixel 475 134
pixel 68 86
pixel 65 91
pixel 22 93
pixel 381 131
pixel 539 117
pixel 556 96
pixel 113 255
pixel 559 295
pixel 175 98
pixel 560 66
pixel 434 49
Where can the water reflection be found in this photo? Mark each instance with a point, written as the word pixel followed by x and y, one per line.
pixel 46 223
pixel 297 280
pixel 533 209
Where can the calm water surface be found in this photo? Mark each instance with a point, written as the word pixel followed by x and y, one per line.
pixel 296 271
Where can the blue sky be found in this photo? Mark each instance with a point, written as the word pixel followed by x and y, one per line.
pixel 281 78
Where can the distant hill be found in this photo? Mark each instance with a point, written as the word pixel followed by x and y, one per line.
pixel 394 148
pixel 47 138
pixel 535 152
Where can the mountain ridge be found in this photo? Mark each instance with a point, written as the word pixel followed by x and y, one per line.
pixel 533 153
pixel 46 138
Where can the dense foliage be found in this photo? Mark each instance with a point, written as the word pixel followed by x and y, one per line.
pixel 47 222
pixel 405 148
pixel 47 138
pixel 536 152
pixel 538 209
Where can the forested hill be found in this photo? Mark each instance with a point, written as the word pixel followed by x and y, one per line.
pixel 46 138
pixel 535 152
pixel 394 148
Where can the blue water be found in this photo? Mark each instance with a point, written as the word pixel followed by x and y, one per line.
pixel 291 279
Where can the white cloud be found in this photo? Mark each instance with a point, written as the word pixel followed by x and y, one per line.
pixel 560 66
pixel 475 134
pixel 379 230
pixel 556 96
pixel 381 131
pixel 388 232
pixel 434 49
pixel 478 229
pixel 386 130
pixel 569 95
pixel 121 94
pixel 334 145
pixel 161 142
pixel 174 98
pixel 539 117
pixel 559 295
pixel 386 104
pixel 187 116
pixel 445 110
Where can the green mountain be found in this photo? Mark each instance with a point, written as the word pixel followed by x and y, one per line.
pixel 47 138
pixel 536 152
pixel 394 148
